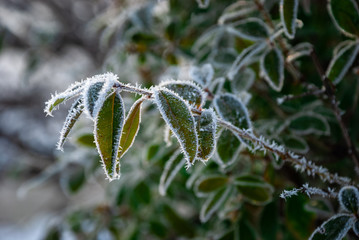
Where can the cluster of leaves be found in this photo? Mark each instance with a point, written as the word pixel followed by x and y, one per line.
pixel 221 115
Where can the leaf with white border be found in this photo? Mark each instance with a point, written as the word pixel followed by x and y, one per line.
pixel 206 125
pixel 349 199
pixel 345 15
pixel 202 75
pixel 213 203
pixel 288 15
pixel 253 29
pixel 272 68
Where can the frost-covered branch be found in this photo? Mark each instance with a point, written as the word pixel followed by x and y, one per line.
pixel 306 189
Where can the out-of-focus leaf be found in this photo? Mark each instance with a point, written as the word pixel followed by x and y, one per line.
pixel 236 10
pixel 177 115
pixel 296 144
pixel 54 233
pixel 157 228
pixel 345 15
pixel 203 3
pixel 272 68
pixel 299 221
pixel 253 29
pixel 73 115
pixel 152 151
pixel 141 193
pixel 172 167
pixel 210 184
pixel 72 91
pixel 202 75
pixel 180 225
pixel 73 179
pixel 307 123
pixel 243 80
pixel 245 230
pixel 299 50
pixel 349 199
pixel 130 127
pixel 356 227
pixel 254 189
pixel 186 90
pixel 342 61
pixel 213 203
pixel 108 127
pixel 86 140
pixel 269 222
pixel 335 228
pixel 228 147
pixel 206 130
pixel 288 15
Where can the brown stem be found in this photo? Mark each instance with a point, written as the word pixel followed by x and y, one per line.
pixel 330 92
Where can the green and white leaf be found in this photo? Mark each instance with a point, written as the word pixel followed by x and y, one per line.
pixel 288 15
pixel 177 114
pixel 245 58
pixel 187 90
pixel 356 227
pixel 296 144
pixel 210 184
pixel 108 128
pixel 272 68
pixel 243 80
pixel 74 113
pixel 206 125
pixel 349 199
pixel 254 189
pixel 202 75
pixel 96 90
pixel 342 61
pixel 73 90
pixel 228 148
pixel 299 50
pixel 213 203
pixel 172 167
pixel 335 228
pixel 345 15
pixel 237 10
pixel 203 3
pixel 253 29
pixel 308 123
pixel 130 127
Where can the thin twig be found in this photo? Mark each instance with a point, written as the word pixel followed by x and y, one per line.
pixel 330 92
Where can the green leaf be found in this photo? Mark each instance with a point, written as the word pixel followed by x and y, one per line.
pixel 349 199
pixel 345 15
pixel 269 222
pixel 86 140
pixel 333 229
pixel 108 127
pixel 228 147
pixel 288 15
pixel 72 117
pixel 172 167
pixel 202 75
pixel 342 61
pixel 307 123
pixel 186 90
pixel 177 114
pixel 296 144
pixel 179 224
pixel 210 184
pixel 73 179
pixel 253 29
pixel 272 68
pixel 130 127
pixel 213 203
pixel 206 130
pixel 255 190
pixel 245 230
pixel 356 227
pixel 236 10
pixel 91 96
pixel 72 91
pixel 243 80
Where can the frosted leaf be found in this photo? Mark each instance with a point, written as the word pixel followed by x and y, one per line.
pixel 237 10
pixel 308 123
pixel 206 125
pixel 299 50
pixel 356 227
pixel 186 90
pixel 172 167
pixel 130 127
pixel 228 148
pixel 288 15
pixel 335 228
pixel 210 184
pixel 72 91
pixel 96 90
pixel 213 203
pixel 296 144
pixel 202 75
pixel 245 57
pixel 342 61
pixel 177 114
pixel 349 199
pixel 272 68
pixel 253 29
pixel 345 15
pixel 243 80
pixel 73 115
pixel 108 127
